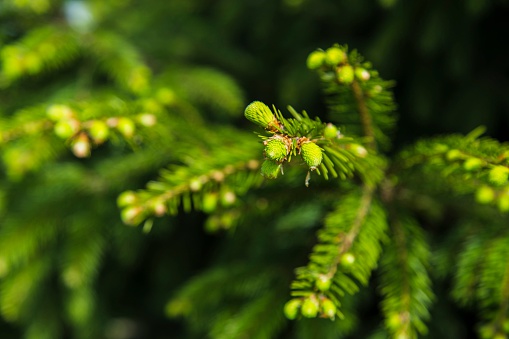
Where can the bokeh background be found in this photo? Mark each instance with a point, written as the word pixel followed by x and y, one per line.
pixel 450 63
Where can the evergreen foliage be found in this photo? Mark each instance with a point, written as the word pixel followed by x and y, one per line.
pixel 300 229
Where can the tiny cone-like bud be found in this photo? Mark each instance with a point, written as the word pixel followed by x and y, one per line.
pixel 472 164
pixel 270 169
pixel 81 146
pixel 362 74
pixel 346 74
pixel 309 308
pixel 323 283
pixel 347 260
pixel 312 154
pixel 126 127
pixel 260 114
pixel 328 308
pixel 454 154
pixel 58 112
pixel 99 131
pixel 330 131
pixel 126 198
pixel 499 175
pixel 275 149
pixel 66 128
pixel 503 203
pixel 315 59
pixel 334 56
pixel 131 215
pixel 484 195
pixel 292 308
pixel 209 202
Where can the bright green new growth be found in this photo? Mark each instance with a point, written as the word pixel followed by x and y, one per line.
pixel 311 154
pixel 276 149
pixel 270 169
pixel 367 218
pixel 260 114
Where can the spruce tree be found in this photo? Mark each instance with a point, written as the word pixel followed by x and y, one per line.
pixel 136 191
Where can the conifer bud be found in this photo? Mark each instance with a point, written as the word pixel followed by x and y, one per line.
pixel 209 202
pixel 328 308
pixel 454 154
pixel 330 131
pixel 315 59
pixel 260 114
pixel 323 283
pixel 503 202
pixel 126 198
pixel 59 112
pixel 275 149
pixel 471 164
pixel 362 74
pixel 484 195
pixel 312 154
pixel 498 175
pixel 147 119
pixel 291 308
pixel 345 74
pixel 347 260
pixel 81 146
pixel 66 128
pixel 310 308
pixel 131 215
pixel 99 131
pixel 270 169
pixel 126 127
pixel 334 56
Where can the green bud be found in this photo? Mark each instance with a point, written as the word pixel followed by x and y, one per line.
pixel 66 128
pixel 99 131
pixel 345 74
pixel 498 175
pixel 270 169
pixel 147 119
pixel 260 114
pixel 334 56
pixel 471 164
pixel 329 309
pixel 291 308
pixel 166 96
pixel 81 146
pixel 315 59
pixel 503 202
pixel 330 131
pixel 484 195
pixel 323 283
pixel 126 198
pixel 393 321
pixel 275 149
pixel 454 154
pixel 126 127
pixel 131 215
pixel 209 202
pixel 309 308
pixel 58 112
pixel 362 74
pixel 347 260
pixel 312 154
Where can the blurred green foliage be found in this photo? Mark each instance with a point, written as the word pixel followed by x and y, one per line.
pixel 96 96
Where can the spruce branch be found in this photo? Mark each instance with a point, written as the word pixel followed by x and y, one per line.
pixel 348 250
pixel 365 117
pixel 484 162
pixel 405 284
pixel 356 96
pixel 321 146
